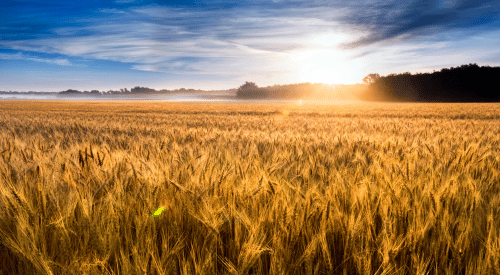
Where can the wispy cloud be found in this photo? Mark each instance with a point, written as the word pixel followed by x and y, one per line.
pixel 20 56
pixel 111 11
pixel 385 20
pixel 164 39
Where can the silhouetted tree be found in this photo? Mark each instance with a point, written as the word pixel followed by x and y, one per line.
pixel 70 92
pixel 249 86
pixel 250 90
pixel 142 90
pixel 371 78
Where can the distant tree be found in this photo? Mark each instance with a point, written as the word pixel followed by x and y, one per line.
pixel 95 92
pixel 139 90
pixel 249 86
pixel 70 92
pixel 371 78
pixel 250 90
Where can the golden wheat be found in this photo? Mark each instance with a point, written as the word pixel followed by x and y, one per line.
pixel 249 188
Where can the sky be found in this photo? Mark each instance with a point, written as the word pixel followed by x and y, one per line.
pixel 55 45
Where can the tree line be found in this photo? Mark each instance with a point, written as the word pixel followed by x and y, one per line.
pixel 134 91
pixel 250 90
pixel 467 83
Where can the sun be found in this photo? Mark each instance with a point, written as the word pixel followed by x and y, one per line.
pixel 323 66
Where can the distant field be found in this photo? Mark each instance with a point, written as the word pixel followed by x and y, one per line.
pixel 354 188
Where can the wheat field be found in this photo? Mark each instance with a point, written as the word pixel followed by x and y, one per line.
pixel 354 188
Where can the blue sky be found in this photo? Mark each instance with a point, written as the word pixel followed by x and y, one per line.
pixel 54 45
